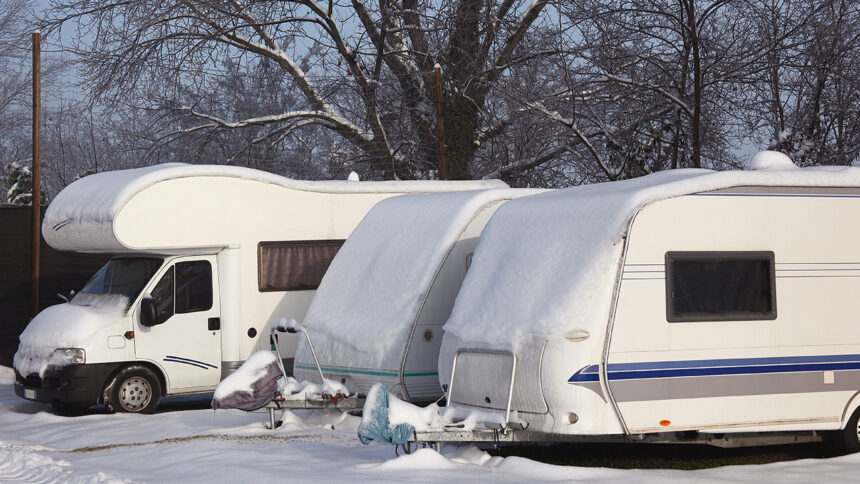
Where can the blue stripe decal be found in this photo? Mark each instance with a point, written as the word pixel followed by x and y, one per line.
pixel 188 361
pixel 586 374
pixel 737 366
pixel 740 370
pixel 777 360
pixel 185 363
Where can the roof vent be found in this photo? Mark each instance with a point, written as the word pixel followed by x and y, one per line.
pixel 771 160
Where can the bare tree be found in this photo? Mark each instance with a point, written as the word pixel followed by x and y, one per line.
pixel 537 93
pixel 14 85
pixel 809 98
pixel 363 72
pixel 676 66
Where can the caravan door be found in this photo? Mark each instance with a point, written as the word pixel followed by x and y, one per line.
pixel 186 338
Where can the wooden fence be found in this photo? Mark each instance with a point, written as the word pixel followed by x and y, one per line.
pixel 61 272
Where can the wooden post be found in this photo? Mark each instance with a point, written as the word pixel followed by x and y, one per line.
pixel 439 128
pixel 35 199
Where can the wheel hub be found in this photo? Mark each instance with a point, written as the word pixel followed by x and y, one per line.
pixel 135 394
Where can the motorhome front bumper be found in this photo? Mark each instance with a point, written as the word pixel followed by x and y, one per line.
pixel 73 385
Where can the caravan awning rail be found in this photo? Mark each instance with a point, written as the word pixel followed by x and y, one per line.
pixel 512 435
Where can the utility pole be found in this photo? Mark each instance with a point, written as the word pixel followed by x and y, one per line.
pixel 35 199
pixel 439 128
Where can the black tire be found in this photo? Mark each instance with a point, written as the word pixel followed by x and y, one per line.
pixel 135 389
pixel 847 440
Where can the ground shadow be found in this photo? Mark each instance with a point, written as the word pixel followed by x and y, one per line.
pixel 662 456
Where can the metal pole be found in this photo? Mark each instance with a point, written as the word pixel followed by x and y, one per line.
pixel 439 128
pixel 35 199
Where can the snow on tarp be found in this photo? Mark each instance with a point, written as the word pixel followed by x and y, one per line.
pixel 251 386
pixel 546 264
pixel 68 325
pixel 372 293
pixel 91 203
pixel 257 381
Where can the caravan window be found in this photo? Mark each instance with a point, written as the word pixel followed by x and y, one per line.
pixel 294 266
pixel 720 286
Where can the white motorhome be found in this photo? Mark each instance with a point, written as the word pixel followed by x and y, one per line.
pixel 683 304
pixel 378 313
pixel 209 257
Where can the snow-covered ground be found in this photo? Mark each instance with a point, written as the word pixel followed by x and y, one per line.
pixel 233 446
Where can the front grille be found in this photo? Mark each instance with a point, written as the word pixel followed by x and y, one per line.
pixel 49 382
pixel 32 381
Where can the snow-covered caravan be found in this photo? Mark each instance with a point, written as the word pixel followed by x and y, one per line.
pixel 682 304
pixel 210 257
pixel 378 313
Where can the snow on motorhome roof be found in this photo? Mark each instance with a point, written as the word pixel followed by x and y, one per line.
pixel 375 286
pixel 547 264
pixel 97 198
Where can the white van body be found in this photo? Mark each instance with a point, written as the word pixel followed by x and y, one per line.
pixel 681 301
pixel 379 311
pixel 185 218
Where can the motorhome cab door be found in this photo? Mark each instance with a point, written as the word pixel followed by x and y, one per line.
pixel 185 339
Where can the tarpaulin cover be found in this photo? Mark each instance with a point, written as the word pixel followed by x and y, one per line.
pixel 262 391
pixel 374 421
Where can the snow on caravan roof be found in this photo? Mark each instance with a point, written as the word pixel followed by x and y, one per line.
pixel 86 210
pixel 373 290
pixel 546 264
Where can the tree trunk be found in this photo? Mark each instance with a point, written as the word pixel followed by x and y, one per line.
pixel 697 85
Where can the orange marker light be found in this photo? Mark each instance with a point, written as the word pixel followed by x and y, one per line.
pixel 665 423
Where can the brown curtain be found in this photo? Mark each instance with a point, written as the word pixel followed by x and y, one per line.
pixel 294 266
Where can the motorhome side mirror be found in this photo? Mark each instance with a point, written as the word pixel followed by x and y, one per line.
pixel 148 313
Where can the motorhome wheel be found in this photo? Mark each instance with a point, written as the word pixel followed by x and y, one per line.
pixel 135 389
pixel 848 440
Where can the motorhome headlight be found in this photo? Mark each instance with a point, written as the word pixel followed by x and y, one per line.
pixel 67 356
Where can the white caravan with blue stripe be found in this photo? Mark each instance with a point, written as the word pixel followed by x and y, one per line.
pixel 680 301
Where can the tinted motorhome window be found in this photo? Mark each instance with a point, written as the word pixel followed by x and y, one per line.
pixel 162 294
pixel 294 266
pixel 184 288
pixel 124 276
pixel 720 286
pixel 193 286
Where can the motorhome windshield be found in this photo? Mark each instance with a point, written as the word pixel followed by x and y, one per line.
pixel 124 276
